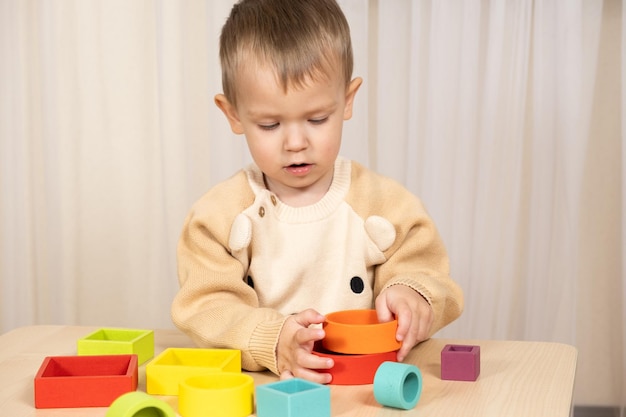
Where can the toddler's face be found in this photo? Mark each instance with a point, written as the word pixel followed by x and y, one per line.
pixel 294 136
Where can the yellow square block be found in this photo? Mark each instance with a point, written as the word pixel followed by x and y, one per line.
pixel 174 365
pixel 110 341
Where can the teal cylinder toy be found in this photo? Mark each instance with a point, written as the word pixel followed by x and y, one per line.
pixel 398 385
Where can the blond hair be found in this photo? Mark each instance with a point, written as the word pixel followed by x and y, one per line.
pixel 299 39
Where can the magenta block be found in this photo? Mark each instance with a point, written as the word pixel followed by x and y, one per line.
pixel 460 362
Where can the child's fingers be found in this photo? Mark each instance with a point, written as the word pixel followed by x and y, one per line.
pixel 404 333
pixel 416 332
pixel 383 311
pixel 308 317
pixel 308 336
pixel 286 374
pixel 311 375
pixel 306 366
pixel 310 361
pixel 405 320
pixel 404 351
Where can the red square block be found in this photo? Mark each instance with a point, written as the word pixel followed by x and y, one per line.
pixel 460 362
pixel 84 381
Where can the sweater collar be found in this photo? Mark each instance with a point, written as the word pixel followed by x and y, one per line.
pixel 323 208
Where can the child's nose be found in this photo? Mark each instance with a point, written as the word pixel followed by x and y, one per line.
pixel 295 140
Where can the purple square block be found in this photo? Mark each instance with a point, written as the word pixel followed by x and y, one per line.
pixel 460 362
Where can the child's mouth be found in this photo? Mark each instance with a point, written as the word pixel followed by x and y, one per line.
pixel 299 169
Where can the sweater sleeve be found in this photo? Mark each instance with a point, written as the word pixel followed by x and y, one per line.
pixel 214 304
pixel 418 257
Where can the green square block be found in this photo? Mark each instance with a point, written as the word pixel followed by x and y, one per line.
pixel 293 398
pixel 174 365
pixel 109 341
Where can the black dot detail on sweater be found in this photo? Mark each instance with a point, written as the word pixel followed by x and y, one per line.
pixel 249 281
pixel 356 285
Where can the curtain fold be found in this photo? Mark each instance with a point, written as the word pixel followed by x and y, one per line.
pixel 505 117
pixel 622 180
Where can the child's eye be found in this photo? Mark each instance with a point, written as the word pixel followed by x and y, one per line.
pixel 318 121
pixel 271 126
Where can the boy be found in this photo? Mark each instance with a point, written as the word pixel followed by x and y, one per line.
pixel 302 232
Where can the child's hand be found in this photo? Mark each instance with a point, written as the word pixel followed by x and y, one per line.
pixel 295 344
pixel 414 314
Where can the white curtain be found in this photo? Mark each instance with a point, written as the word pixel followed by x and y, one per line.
pixel 505 117
pixel 622 179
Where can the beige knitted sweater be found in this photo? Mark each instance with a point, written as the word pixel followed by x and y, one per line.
pixel 246 260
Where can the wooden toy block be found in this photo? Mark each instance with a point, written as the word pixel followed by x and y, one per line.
pixel 460 362
pixel 353 369
pixel 139 404
pixel 84 381
pixel 359 332
pixel 108 341
pixel 398 385
pixel 165 372
pixel 293 398
pixel 223 394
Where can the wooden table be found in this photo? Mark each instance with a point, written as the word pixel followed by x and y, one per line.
pixel 516 378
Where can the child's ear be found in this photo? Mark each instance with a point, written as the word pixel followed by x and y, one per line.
pixel 230 112
pixel 353 87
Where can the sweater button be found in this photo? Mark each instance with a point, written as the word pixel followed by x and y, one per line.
pixel 273 198
pixel 261 211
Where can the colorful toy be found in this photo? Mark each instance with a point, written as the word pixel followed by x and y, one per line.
pixel 353 369
pixel 358 343
pixel 174 365
pixel 223 394
pixel 398 385
pixel 139 404
pixel 84 381
pixel 460 362
pixel 359 332
pixel 292 398
pixel 109 341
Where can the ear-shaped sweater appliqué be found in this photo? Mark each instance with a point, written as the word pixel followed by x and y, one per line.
pixel 381 234
pixel 240 238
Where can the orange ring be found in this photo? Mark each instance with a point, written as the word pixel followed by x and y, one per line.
pixel 359 332
pixel 353 369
